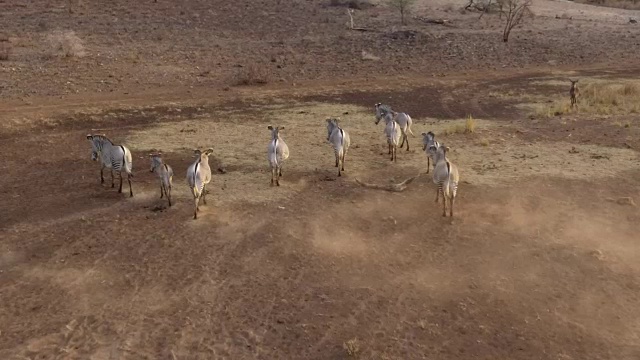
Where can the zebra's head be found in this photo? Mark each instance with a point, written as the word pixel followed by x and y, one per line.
pixel 332 123
pixel 203 154
pixel 95 147
pixel 156 160
pixel 427 139
pixel 275 131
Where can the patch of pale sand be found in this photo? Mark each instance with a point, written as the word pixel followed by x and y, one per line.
pixel 240 142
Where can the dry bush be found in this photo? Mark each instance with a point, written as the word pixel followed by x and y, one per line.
pixel 251 75
pixel 470 125
pixel 515 12
pixel 65 44
pixel 352 347
pixel 5 48
pixel 403 6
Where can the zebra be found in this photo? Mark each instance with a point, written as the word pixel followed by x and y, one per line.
pixel 164 172
pixel 393 133
pixel 430 146
pixel 340 140
pixel 403 119
pixel 574 92
pixel 113 157
pixel 277 153
pixel 445 175
pixel 198 176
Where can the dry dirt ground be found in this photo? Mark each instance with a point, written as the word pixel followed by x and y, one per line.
pixel 541 261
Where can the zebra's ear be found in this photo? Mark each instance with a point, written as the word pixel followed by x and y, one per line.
pixel 424 134
pixel 270 127
pixel 197 151
pixel 281 128
pixel 89 137
pixel 328 120
pixel 208 151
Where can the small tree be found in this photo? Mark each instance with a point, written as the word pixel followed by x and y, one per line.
pixel 515 11
pixel 402 6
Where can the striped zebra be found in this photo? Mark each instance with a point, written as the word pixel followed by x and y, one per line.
pixel 445 175
pixel 393 134
pixel 198 176
pixel 340 140
pixel 430 147
pixel 403 119
pixel 114 157
pixel 277 153
pixel 164 173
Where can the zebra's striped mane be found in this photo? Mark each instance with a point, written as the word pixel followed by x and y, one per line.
pixel 103 137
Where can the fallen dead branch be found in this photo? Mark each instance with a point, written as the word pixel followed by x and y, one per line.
pixel 391 187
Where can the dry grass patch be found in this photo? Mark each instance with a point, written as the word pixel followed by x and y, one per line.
pixel 622 4
pixel 458 127
pixel 352 347
pixel 600 97
pixel 65 44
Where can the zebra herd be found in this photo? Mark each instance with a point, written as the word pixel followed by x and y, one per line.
pixel 397 125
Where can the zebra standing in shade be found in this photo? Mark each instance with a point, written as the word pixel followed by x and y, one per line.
pixel 277 153
pixel 445 175
pixel 430 146
pixel 114 157
pixel 198 176
pixel 164 173
pixel 340 140
pixel 403 119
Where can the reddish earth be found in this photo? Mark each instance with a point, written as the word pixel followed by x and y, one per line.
pixel 540 267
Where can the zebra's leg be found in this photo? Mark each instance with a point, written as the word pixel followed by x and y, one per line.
pixel 161 190
pixel 272 177
pixel 113 184
pixel 101 175
pixel 337 158
pixel 120 188
pixel 129 180
pixel 428 163
pixel 438 193
pixel 344 154
pixel 406 137
pixel 168 192
pixel 453 199
pixel 195 210
pixel 278 172
pixel 204 194
pixel 389 149
pixel 444 205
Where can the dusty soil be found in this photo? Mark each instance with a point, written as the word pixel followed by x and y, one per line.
pixel 539 263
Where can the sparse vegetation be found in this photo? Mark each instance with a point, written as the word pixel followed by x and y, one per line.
pixel 251 75
pixel 459 127
pixel 352 347
pixel 65 44
pixel 484 142
pixel 403 6
pixel 515 12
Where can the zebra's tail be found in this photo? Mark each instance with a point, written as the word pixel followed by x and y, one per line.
pixel 409 122
pixel 127 162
